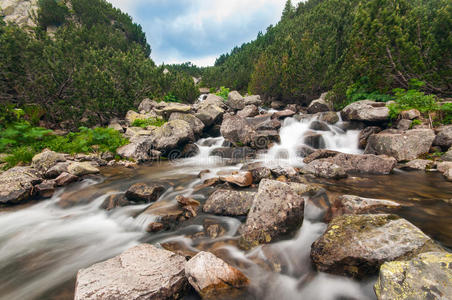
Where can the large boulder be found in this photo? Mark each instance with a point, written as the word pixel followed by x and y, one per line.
pixel 366 111
pixel 213 99
pixel 355 205
pixel 213 278
pixel 172 135
pixel 319 105
pixel 277 209
pixel 234 153
pixel 209 114
pixel 142 272
pixel 248 111
pixel 46 160
pixel 141 192
pixel 325 169
pixel 16 184
pixel 170 108
pixel 237 130
pixel 407 145
pixel 427 276
pixel 235 101
pixel 444 137
pixel 147 105
pixel 229 203
pixel 329 117
pixel 356 245
pixel 139 149
pixel 196 124
pixel 82 168
pixel 365 134
pixel 364 163
pixel 253 100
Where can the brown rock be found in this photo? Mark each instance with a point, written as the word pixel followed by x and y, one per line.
pixel 242 179
pixel 65 179
pixel 229 203
pixel 142 192
pixel 16 184
pixel 46 189
pixel 365 134
pixel 356 245
pixel 212 278
pixel 142 272
pixel 318 154
pixel 364 163
pixel 283 114
pixel 114 201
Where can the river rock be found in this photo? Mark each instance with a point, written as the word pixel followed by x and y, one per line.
pixel 142 272
pixel 263 139
pixel 141 192
pixel 365 134
pixel 444 137
pixel 427 276
pixel 170 108
pixel 172 135
pixel 410 114
pixel 448 155
pixel 248 112
pixel 283 114
pixel 209 114
pixel 364 163
pixel 114 201
pixel 319 105
pixel 277 105
pixel 320 126
pixel 355 205
pixel 237 130
pixel 132 116
pixel 46 160
pixel 402 146
pixel 147 105
pixel 196 124
pixel 139 149
pixel 213 99
pixel 65 179
pixel 253 100
pixel 235 101
pixel 16 184
pixel 277 209
pixel 356 245
pixel 258 171
pixel 229 203
pixel 234 153
pixel 241 179
pixel 419 164
pixel 446 169
pixel 57 170
pixel 82 168
pixel 404 124
pixel 329 117
pixel 45 189
pixel 367 111
pixel 325 169
pixel 319 154
pixel 213 278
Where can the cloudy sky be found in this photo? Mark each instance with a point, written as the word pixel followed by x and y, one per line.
pixel 199 30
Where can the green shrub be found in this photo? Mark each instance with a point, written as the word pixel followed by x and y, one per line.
pixel 171 98
pixel 412 99
pixel 223 93
pixel 446 113
pixel 212 90
pixel 415 123
pixel 143 123
pixel 52 12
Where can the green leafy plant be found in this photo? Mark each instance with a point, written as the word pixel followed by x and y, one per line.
pixel 415 123
pixel 412 99
pixel 143 123
pixel 223 93
pixel 171 98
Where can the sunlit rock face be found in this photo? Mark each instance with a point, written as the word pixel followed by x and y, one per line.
pixel 19 11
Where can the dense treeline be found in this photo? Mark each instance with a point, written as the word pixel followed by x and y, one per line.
pixel 93 67
pixel 372 46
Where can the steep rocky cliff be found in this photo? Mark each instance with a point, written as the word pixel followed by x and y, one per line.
pixel 19 11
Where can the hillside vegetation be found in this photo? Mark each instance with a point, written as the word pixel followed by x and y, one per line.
pixel 367 47
pixel 95 66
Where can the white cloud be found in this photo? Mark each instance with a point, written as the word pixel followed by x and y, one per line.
pixel 199 30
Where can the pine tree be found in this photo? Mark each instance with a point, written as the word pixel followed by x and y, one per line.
pixel 288 10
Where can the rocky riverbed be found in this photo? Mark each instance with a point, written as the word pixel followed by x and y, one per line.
pixel 228 200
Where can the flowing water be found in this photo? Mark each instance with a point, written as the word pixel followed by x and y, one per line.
pixel 43 244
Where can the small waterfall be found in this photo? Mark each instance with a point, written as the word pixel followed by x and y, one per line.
pixel 295 145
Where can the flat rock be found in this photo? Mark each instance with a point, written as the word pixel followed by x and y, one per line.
pixel 141 192
pixel 419 164
pixel 319 154
pixel 325 169
pixel 142 272
pixel 355 205
pixel 234 153
pixel 82 168
pixel 213 278
pixel 114 201
pixel 407 145
pixel 364 163
pixel 65 179
pixel 367 111
pixel 16 184
pixel 356 245
pixel 229 203
pixel 241 179
pixel 427 276
pixel 277 209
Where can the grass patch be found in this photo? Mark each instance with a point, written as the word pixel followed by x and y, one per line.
pixel 143 123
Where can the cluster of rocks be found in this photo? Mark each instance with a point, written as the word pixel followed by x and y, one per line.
pixel 48 171
pixel 149 272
